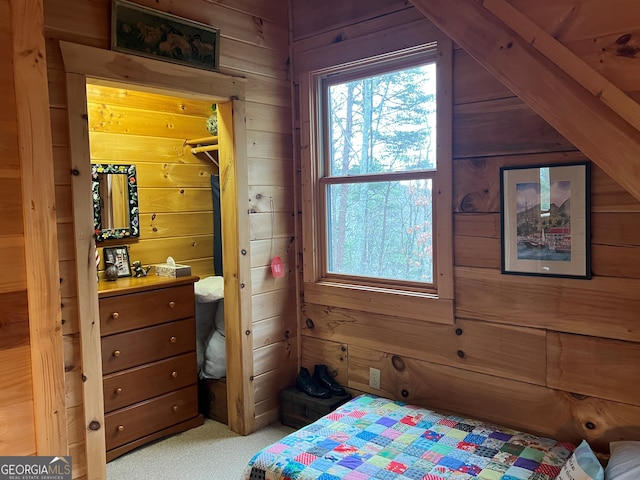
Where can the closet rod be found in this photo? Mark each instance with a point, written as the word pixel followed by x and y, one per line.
pixel 197 141
pixel 206 148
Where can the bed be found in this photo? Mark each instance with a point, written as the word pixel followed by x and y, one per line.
pixel 371 437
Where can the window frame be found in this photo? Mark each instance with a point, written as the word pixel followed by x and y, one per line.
pixel 433 302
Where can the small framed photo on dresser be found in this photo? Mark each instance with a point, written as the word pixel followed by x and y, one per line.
pixel 118 256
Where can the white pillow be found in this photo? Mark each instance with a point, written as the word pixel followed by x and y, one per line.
pixel 624 463
pixel 582 465
pixel 205 324
pixel 219 320
pixel 209 289
pixel 215 357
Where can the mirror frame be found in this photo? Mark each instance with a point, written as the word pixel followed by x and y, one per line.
pixel 133 230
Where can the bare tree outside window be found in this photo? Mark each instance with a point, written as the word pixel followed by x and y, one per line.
pixel 379 175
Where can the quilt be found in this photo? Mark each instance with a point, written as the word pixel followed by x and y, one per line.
pixel 372 437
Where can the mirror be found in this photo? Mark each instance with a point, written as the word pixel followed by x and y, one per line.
pixel 115 201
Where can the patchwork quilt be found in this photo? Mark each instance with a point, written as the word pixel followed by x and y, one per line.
pixel 371 437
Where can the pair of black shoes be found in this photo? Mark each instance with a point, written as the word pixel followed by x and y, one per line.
pixel 320 385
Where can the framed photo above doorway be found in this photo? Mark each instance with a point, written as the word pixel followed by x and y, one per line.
pixel 545 222
pixel 162 36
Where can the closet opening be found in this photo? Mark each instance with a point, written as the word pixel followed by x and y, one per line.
pixel 176 212
pixel 159 162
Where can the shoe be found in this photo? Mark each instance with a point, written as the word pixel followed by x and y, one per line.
pixel 322 376
pixel 308 385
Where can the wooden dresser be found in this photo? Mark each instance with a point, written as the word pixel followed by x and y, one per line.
pixel 149 361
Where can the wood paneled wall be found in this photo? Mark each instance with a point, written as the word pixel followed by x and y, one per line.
pixel 174 190
pixel 17 421
pixel 254 45
pixel 551 356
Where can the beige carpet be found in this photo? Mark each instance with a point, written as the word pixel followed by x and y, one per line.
pixel 208 452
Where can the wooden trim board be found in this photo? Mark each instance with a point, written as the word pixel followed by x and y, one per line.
pixel 87 285
pixel 82 62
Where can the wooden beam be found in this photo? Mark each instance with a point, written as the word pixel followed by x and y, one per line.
pixel 568 61
pixel 39 216
pixel 120 67
pixel 579 115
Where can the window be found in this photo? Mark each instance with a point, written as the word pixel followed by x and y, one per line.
pixel 379 186
pixel 380 163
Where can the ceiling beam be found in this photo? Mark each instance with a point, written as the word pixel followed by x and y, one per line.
pixel 557 94
pixel 569 62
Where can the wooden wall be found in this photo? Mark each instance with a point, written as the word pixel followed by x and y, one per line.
pixel 552 356
pixel 254 45
pixel 548 355
pixel 17 421
pixel 174 190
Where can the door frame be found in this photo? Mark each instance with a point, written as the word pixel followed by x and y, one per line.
pixel 83 62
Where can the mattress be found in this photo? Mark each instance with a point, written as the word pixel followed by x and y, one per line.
pixel 371 437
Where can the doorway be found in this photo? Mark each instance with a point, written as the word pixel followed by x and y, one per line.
pixel 228 92
pixel 176 199
pixel 150 131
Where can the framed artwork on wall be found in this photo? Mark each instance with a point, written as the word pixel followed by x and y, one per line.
pixel 545 222
pixel 150 33
pixel 118 256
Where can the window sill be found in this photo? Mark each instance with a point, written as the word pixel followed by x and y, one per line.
pixel 399 303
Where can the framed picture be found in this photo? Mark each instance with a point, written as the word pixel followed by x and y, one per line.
pixel 118 256
pixel 143 31
pixel 545 220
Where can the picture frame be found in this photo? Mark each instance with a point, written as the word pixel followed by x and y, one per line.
pixel 153 34
pixel 118 256
pixel 545 220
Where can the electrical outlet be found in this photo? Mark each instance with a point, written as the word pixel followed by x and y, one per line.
pixel 374 378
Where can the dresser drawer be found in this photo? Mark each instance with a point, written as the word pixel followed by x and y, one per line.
pixel 140 383
pixel 136 310
pixel 130 349
pixel 145 418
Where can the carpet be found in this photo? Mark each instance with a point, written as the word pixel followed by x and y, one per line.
pixel 208 452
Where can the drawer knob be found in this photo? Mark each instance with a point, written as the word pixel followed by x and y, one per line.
pixel 120 428
pixel 175 408
pixel 115 315
pixel 173 339
pixel 172 304
pixel 116 353
pixel 174 374
pixel 118 391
